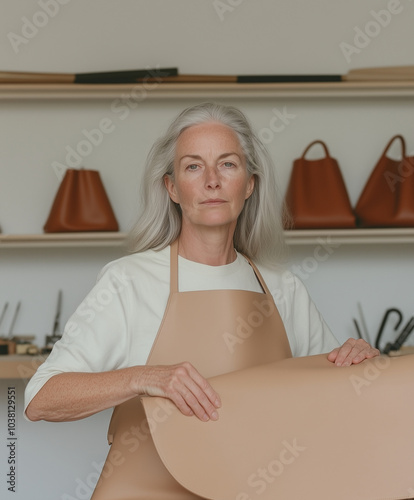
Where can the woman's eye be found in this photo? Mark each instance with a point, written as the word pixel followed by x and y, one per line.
pixel 192 167
pixel 228 164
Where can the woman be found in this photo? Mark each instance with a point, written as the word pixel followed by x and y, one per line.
pixel 209 187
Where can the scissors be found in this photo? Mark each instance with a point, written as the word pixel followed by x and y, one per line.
pixel 402 337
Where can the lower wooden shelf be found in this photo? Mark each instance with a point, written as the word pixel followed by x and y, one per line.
pixel 293 237
pixel 350 236
pixel 19 366
pixel 63 240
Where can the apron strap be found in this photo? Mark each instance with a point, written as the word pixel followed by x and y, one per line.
pixel 258 275
pixel 174 266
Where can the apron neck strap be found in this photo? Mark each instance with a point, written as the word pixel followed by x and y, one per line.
pixel 174 269
pixel 174 266
pixel 258 275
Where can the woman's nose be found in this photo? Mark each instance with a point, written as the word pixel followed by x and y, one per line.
pixel 212 178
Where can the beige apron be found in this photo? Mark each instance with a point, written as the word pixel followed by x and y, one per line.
pixel 218 331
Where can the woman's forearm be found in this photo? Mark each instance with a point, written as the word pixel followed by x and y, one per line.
pixel 72 396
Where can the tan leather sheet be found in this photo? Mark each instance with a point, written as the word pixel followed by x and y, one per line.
pixel 300 428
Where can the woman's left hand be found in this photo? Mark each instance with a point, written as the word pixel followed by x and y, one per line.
pixel 352 352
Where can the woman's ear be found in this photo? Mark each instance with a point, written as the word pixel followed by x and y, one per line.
pixel 170 186
pixel 250 186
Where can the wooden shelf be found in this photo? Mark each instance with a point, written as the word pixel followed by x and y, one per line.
pixel 19 366
pixel 142 92
pixel 293 237
pixel 172 91
pixel 350 236
pixel 63 240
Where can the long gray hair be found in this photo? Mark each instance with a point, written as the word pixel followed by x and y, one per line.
pixel 259 229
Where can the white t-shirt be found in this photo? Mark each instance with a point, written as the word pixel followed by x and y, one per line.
pixel 116 324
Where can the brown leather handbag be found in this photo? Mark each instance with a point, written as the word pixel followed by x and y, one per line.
pixel 316 197
pixel 387 199
pixel 81 204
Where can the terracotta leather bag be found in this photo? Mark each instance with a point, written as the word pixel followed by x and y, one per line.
pixel 387 199
pixel 316 197
pixel 81 204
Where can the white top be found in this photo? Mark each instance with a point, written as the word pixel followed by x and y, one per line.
pixel 116 324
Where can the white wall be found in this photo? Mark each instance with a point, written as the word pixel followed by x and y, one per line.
pixel 261 36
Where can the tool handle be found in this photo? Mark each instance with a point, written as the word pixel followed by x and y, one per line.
pixel 409 327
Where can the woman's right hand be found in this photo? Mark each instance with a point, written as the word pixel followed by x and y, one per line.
pixel 184 386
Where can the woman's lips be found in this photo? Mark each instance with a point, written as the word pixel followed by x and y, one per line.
pixel 213 201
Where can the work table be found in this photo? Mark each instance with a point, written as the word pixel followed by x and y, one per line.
pixel 19 365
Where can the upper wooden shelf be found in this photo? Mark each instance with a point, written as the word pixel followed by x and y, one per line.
pixel 142 92
pixel 294 237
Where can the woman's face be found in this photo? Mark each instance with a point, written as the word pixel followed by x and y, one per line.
pixel 211 182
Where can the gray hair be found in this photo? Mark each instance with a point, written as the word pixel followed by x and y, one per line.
pixel 259 229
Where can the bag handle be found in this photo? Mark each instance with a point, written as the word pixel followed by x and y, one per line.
pixel 325 147
pixel 401 138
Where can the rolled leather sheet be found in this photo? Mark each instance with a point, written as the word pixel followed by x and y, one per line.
pixel 297 428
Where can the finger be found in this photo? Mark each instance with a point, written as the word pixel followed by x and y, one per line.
pixel 205 387
pixel 361 350
pixel 354 351
pixel 201 398
pixel 182 405
pixel 192 393
pixel 199 404
pixel 367 353
pixel 184 399
pixel 342 356
pixel 333 354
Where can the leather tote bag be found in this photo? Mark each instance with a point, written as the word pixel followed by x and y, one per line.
pixel 316 197
pixel 81 204
pixel 387 199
